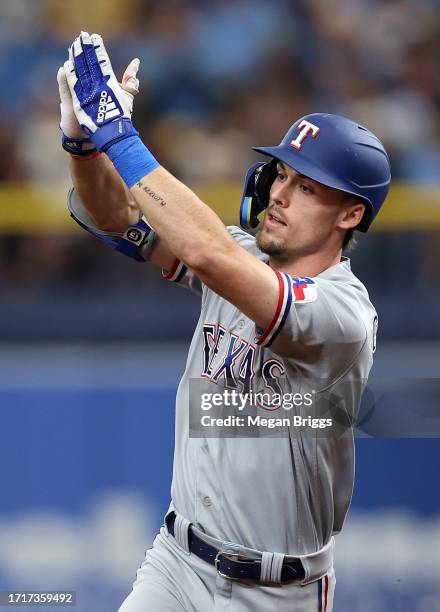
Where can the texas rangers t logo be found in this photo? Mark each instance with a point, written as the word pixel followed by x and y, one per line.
pixel 305 128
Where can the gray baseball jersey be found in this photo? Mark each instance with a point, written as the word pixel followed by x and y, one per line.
pixel 288 493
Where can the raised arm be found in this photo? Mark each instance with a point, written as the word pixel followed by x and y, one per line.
pixel 193 231
pixel 198 237
pixel 98 185
pixel 104 193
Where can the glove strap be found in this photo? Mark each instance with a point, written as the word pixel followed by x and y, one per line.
pixel 112 132
pixel 80 147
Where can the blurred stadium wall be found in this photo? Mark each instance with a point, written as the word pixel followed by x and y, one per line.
pixel 92 345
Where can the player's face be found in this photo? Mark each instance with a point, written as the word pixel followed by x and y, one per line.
pixel 303 216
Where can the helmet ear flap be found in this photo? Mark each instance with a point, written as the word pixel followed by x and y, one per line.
pixel 264 182
pixel 258 181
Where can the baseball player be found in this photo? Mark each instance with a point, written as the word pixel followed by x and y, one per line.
pixel 252 520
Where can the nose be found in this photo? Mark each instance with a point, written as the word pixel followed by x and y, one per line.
pixel 279 194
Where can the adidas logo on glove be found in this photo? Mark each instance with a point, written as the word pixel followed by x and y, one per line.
pixel 107 108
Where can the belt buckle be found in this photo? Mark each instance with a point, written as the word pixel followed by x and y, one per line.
pixel 230 555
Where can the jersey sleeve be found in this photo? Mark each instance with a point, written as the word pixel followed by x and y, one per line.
pixel 180 274
pixel 310 312
pixel 314 316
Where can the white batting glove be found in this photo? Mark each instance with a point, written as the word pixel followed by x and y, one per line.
pixel 75 140
pixel 101 105
pixel 69 123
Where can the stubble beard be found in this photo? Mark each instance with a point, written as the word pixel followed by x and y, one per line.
pixel 268 245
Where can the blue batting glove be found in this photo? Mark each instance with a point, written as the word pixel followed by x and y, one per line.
pixel 103 108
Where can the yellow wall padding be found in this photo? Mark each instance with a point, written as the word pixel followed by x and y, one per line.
pixel 25 209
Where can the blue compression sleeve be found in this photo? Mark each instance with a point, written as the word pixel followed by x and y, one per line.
pixel 132 159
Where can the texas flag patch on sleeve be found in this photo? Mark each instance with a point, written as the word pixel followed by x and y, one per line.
pixel 304 289
pixel 292 289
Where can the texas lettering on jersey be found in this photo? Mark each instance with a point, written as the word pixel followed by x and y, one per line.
pixel 236 367
pixel 231 359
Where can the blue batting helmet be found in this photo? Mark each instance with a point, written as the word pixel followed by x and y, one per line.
pixel 331 150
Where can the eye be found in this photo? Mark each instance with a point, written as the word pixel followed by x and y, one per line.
pixel 280 175
pixel 305 188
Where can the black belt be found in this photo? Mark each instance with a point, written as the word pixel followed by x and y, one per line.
pixel 233 565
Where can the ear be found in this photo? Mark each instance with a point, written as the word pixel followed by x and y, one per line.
pixel 351 215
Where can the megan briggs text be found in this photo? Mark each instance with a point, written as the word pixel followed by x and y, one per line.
pixel 268 423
